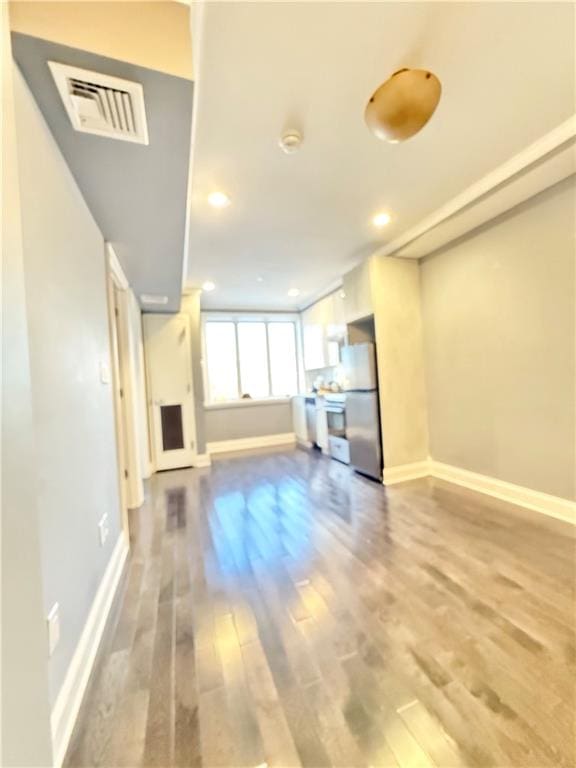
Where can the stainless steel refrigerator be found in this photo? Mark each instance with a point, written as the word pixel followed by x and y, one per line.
pixel 362 409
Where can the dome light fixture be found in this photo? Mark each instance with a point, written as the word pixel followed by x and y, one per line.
pixel 402 106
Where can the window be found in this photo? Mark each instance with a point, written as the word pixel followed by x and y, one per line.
pixel 221 359
pixel 249 359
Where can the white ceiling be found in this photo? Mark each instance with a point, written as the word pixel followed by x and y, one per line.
pixel 507 71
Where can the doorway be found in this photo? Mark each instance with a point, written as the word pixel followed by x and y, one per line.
pixel 171 397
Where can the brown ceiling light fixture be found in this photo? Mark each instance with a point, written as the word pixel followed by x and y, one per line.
pixel 402 106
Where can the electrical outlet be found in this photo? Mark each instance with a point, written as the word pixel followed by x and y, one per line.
pixel 103 529
pixel 53 622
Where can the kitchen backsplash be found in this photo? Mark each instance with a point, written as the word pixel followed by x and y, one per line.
pixel 328 375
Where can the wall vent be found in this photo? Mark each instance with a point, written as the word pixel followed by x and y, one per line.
pixel 100 104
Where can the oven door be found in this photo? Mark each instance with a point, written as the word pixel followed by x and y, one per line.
pixel 336 419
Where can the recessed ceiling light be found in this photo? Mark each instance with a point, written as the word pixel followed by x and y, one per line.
pixel 218 200
pixel 208 286
pixel 294 292
pixel 381 219
pixel 259 279
pixel 152 298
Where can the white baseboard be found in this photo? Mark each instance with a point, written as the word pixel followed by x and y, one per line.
pixel 554 506
pixel 247 443
pixel 201 460
pixel 69 699
pixel 406 472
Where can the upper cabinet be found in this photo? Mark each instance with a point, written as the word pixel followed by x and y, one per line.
pixel 336 316
pixel 323 327
pixel 357 287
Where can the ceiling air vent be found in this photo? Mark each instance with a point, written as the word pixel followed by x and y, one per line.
pixel 100 104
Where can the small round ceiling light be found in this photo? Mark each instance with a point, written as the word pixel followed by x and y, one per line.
pixel 402 106
pixel 208 286
pixel 381 219
pixel 290 141
pixel 219 200
pixel 293 292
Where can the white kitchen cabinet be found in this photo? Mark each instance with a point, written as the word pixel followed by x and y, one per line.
pixel 323 324
pixel 339 314
pixel 299 418
pixel 314 337
pixel 357 286
pixel 314 351
pixel 335 317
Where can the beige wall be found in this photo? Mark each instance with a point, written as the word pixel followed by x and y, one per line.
pixel 499 319
pixel 25 713
pixel 149 34
pixel 399 347
pixel 65 279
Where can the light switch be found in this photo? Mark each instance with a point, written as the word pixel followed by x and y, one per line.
pixel 103 529
pixel 104 373
pixel 53 622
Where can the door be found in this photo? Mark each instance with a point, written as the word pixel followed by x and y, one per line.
pixel 119 404
pixel 363 433
pixel 171 398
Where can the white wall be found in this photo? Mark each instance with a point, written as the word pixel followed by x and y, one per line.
pixel 25 714
pixel 65 275
pixel 499 312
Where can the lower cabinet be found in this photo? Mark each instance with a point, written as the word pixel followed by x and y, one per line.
pixel 301 427
pixel 321 426
pixel 299 418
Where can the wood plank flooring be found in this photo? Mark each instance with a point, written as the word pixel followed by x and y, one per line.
pixel 279 610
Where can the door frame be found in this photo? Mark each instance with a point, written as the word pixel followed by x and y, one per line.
pixel 124 387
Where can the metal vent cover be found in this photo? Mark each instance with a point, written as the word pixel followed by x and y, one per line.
pixel 101 104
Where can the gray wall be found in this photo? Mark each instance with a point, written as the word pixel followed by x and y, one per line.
pixel 234 423
pixel 137 193
pixel 499 320
pixel 73 411
pixel 25 724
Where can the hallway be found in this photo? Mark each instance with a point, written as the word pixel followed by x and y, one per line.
pixel 278 609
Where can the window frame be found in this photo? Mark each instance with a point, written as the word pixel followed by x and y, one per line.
pixel 254 317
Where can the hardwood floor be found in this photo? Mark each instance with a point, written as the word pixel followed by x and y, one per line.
pixel 278 609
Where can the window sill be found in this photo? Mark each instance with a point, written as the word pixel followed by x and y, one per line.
pixel 245 403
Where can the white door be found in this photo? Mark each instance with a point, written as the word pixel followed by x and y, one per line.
pixel 170 394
